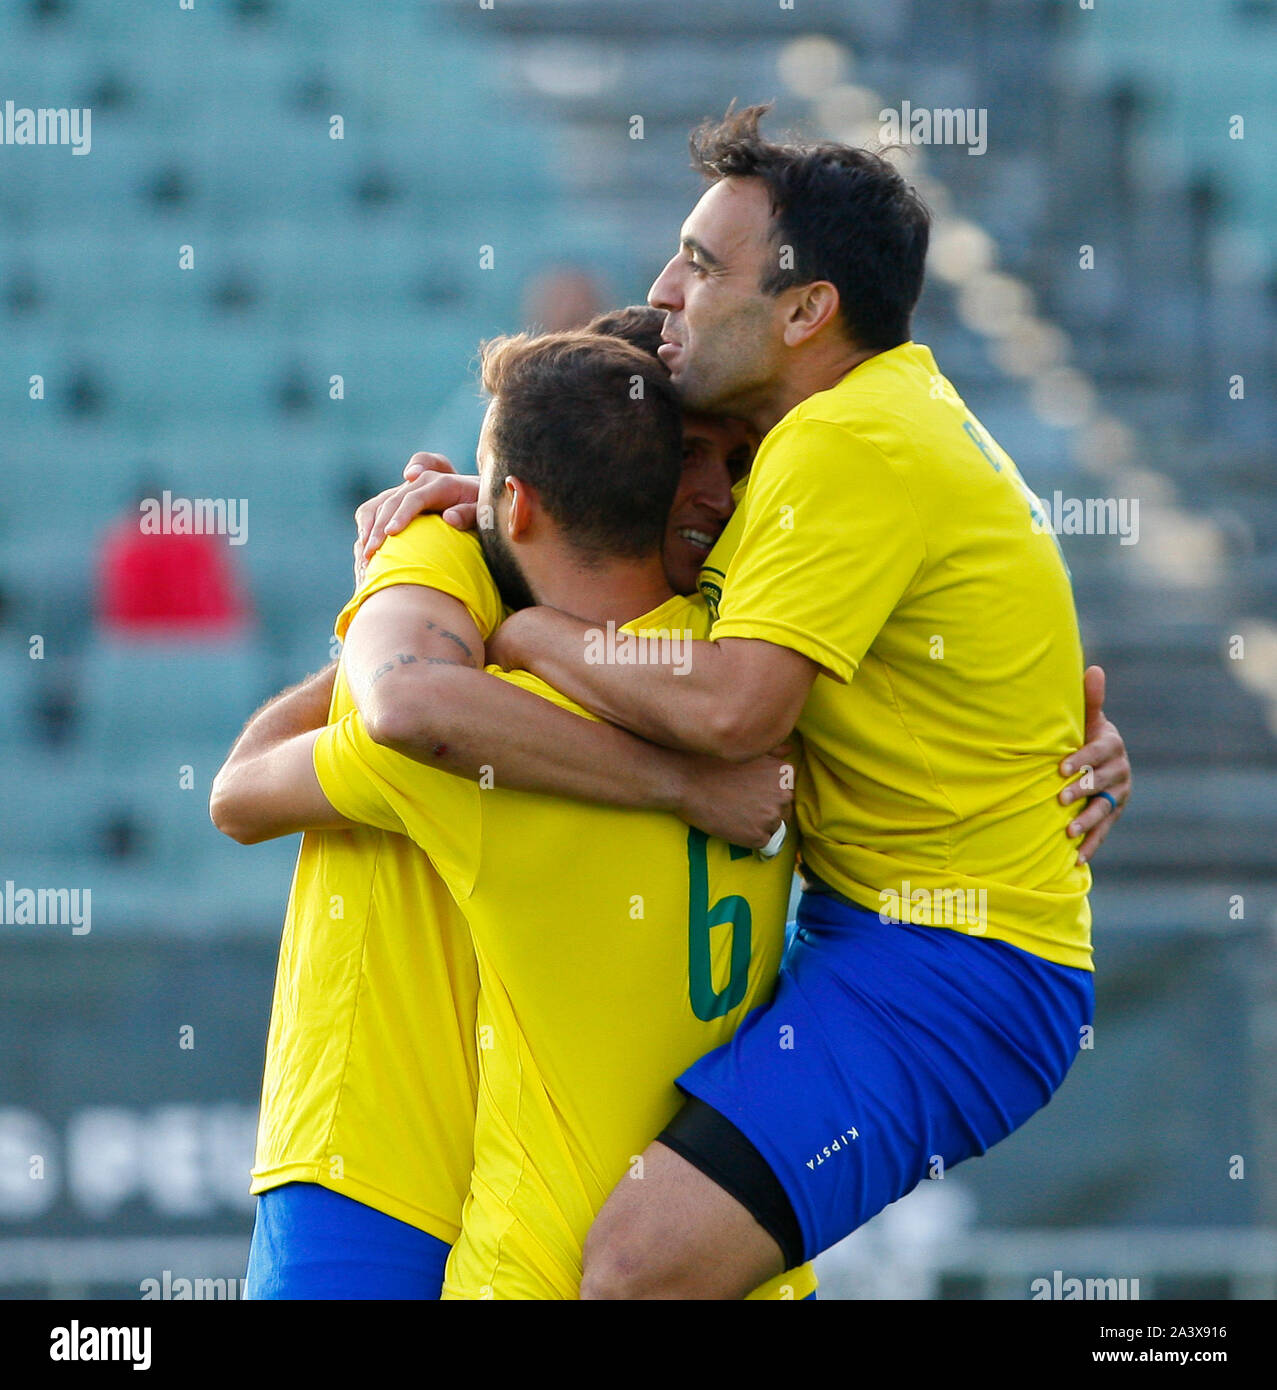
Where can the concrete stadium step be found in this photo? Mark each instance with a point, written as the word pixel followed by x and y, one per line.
pixel 1197 823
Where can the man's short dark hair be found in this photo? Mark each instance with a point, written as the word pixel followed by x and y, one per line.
pixel 846 214
pixel 594 425
pixel 639 324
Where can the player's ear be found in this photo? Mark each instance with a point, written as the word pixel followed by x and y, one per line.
pixel 811 309
pixel 521 498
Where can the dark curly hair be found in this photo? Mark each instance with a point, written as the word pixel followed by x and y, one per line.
pixel 843 214
pixel 638 324
pixel 594 424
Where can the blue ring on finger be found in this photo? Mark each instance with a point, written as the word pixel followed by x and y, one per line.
pixel 1107 798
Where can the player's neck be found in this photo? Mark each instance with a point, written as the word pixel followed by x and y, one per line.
pixel 820 369
pixel 613 590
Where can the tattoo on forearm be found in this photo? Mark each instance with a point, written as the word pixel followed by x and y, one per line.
pixel 452 637
pixel 407 659
pixel 399 659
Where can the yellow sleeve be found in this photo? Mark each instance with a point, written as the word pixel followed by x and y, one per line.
pixel 831 544
pixel 430 552
pixel 376 786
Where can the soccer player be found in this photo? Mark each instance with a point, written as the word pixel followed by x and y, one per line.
pixel 891 589
pixel 364 1144
pixel 614 946
pixel 364 1147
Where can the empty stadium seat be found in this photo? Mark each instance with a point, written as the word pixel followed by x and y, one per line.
pixel 137 695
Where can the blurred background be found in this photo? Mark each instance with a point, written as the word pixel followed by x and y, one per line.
pixel 263 286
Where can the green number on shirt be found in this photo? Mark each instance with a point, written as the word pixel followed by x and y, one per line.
pixel 702 918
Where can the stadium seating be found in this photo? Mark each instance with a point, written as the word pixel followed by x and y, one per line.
pixel 510 128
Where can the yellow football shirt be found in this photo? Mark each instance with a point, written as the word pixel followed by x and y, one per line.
pixel 714 570
pixel 371 1075
pixel 615 947
pixel 885 535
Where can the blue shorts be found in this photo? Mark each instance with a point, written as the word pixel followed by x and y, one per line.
pixel 887 1051
pixel 309 1242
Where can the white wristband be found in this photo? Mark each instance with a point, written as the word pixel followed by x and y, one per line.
pixel 772 848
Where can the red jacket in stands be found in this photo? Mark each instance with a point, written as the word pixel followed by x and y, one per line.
pixel 167 584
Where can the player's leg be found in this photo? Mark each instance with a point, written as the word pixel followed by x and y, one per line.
pixel 885 1049
pixel 311 1243
pixel 696 1240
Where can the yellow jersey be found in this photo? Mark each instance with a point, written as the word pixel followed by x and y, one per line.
pixel 887 537
pixel 615 947
pixel 371 1074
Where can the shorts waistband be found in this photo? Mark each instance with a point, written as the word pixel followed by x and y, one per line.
pixel 811 883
